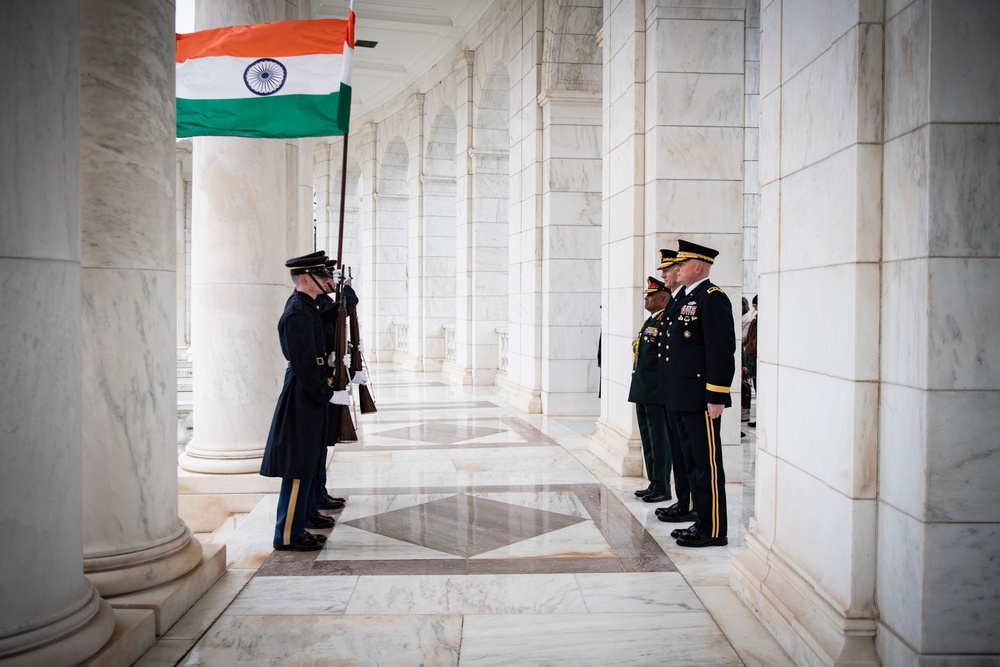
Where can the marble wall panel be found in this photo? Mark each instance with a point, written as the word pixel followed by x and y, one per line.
pixel 843 454
pixel 573 141
pixel 816 25
pixel 830 211
pixel 768 233
pixel 830 537
pixel 572 375
pixel 949 610
pixel 575 208
pixel 751 138
pixel 710 153
pixel 903 448
pixel 906 187
pixel 698 99
pixel 625 165
pixel 822 333
pixel 907 69
pixel 905 343
pixel 769 156
pixel 770 47
pixel 627 121
pixel 768 411
pixel 706 206
pixel 573 309
pixel 625 216
pixel 820 111
pixel 964 318
pixel 965 51
pixel 133 420
pixel 571 242
pixel 964 197
pixel 573 175
pixel 698 46
pixel 765 483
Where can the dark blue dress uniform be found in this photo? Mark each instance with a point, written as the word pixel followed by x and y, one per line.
pixel 698 365
pixel 296 442
pixel 649 410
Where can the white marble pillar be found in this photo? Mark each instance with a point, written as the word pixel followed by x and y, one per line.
pixel 49 613
pixel 626 257
pixel 481 261
pixel 416 237
pixel 133 538
pixel 810 569
pixel 938 575
pixel 240 204
pixel 181 197
pixel 751 149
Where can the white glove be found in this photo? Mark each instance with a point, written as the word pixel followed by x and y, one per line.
pixel 361 347
pixel 340 398
pixel 331 361
pixel 360 377
pixel 336 275
pixel 347 360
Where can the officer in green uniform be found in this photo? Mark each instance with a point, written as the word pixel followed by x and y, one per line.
pixel 644 393
pixel 697 369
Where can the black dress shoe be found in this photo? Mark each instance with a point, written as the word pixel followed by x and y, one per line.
pixel 643 492
pixel 752 424
pixel 672 508
pixel 674 514
pixel 335 499
pixel 683 532
pixel 301 544
pixel 702 541
pixel 316 538
pixel 330 503
pixel 319 521
pixel 656 498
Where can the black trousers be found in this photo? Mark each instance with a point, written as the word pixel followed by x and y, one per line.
pixel 701 447
pixel 652 421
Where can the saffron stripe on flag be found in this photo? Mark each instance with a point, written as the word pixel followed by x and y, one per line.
pixel 273 40
pixel 282 116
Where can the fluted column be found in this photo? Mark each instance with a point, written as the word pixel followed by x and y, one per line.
pixel 133 538
pixel 239 284
pixel 49 613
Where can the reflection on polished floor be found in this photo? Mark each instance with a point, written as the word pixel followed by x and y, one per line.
pixel 472 535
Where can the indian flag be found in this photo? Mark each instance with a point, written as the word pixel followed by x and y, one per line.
pixel 284 79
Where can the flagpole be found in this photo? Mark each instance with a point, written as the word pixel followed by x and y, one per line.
pixel 343 198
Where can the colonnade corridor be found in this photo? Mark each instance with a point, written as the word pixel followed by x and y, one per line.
pixel 473 535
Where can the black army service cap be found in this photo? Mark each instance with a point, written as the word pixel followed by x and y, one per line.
pixel 653 285
pixel 688 250
pixel 668 258
pixel 314 263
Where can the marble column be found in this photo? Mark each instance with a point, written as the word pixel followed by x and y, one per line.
pixel 809 571
pixel 240 203
pixel 626 256
pixel 50 613
pixel 937 575
pixel 181 196
pixel 133 538
pixel 481 261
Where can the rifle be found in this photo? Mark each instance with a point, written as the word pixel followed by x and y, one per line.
pixel 346 431
pixel 357 363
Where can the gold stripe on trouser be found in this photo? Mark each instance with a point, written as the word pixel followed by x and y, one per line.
pixel 712 466
pixel 290 512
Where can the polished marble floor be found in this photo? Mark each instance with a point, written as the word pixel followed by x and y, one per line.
pixel 473 535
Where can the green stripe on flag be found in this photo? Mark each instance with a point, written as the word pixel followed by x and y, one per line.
pixel 281 116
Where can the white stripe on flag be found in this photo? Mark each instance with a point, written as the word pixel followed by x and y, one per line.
pixel 221 77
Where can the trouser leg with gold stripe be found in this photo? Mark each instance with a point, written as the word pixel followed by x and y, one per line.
pixel 701 446
pixel 293 508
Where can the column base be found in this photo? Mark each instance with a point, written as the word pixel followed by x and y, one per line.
pixel 622 455
pixel 454 373
pixel 135 633
pixel 220 463
pixel 522 398
pixel 408 362
pixel 811 630
pixel 65 642
pixel 171 600
pixel 568 404
pixel 139 570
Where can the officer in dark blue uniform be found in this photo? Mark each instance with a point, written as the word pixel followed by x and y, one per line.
pixel 295 444
pixel 697 369
pixel 643 391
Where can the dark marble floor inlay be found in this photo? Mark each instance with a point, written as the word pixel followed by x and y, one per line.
pixel 442 433
pixel 464 525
